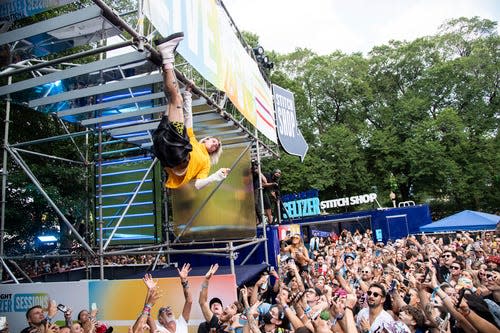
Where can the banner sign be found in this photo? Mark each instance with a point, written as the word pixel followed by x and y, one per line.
pixel 289 134
pixel 212 48
pixel 11 10
pixel 16 299
pixel 309 204
pixel 119 301
pixel 349 201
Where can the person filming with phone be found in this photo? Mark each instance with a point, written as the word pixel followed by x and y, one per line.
pixel 88 320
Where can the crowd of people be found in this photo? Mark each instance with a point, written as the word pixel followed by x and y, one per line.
pixel 37 268
pixel 345 284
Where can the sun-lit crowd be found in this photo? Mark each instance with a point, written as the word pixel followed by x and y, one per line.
pixel 344 284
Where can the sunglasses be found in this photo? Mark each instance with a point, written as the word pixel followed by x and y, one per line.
pixel 162 310
pixel 374 293
pixel 456 267
pixel 367 272
pixel 446 256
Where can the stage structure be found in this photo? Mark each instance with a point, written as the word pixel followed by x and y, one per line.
pixel 116 98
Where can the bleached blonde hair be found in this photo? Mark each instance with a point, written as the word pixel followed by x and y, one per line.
pixel 214 156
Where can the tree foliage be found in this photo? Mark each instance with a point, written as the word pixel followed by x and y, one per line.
pixel 421 116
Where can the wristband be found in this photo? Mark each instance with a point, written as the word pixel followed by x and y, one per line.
pixel 204 285
pixel 436 289
pixel 466 314
pixel 148 305
pixel 307 309
pixel 146 310
pixel 349 308
pixel 285 307
pixel 185 284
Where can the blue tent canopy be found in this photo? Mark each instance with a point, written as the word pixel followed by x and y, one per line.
pixel 466 220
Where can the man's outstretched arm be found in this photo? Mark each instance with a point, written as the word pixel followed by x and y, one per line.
pixel 203 300
pixel 188 298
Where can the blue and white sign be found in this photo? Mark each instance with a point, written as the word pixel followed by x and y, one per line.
pixel 289 134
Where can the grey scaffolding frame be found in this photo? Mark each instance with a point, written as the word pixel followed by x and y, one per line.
pixel 207 112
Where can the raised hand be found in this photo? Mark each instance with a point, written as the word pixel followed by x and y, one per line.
pixel 52 308
pixel 149 282
pixel 183 273
pixel 365 325
pixel 351 300
pixel 68 313
pixel 93 312
pixel 153 295
pixel 211 271
pixel 244 293
pixel 51 328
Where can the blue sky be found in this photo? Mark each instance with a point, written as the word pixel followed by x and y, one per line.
pixel 349 25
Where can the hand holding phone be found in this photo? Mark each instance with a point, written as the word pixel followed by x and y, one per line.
pixel 63 308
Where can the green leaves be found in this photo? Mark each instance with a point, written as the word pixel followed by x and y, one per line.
pixel 418 117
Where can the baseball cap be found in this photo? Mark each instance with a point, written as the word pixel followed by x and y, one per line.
pixel 349 255
pixel 215 300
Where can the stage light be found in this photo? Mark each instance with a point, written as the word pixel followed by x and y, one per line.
pixel 46 243
pixel 262 59
pixel 258 51
pixel 47 239
pixel 269 65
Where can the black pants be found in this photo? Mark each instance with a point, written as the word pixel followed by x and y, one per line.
pixel 169 146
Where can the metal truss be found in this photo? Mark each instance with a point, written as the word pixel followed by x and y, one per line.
pixel 124 74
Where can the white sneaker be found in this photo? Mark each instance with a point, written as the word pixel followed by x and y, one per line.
pixel 168 45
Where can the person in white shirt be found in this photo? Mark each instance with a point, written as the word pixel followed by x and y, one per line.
pixel 166 319
pixel 374 318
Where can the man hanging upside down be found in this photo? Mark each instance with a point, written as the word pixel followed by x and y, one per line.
pixel 182 156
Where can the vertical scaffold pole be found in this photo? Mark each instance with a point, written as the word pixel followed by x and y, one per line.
pixel 4 175
pixel 264 225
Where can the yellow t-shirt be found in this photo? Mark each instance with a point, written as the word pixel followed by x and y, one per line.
pixel 198 166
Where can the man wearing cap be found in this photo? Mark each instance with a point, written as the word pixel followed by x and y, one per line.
pixel 216 308
pixel 228 315
pixel 166 320
pixel 348 264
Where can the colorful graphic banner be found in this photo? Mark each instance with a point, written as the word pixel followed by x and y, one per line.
pixel 289 134
pixel 119 301
pixel 212 48
pixel 16 299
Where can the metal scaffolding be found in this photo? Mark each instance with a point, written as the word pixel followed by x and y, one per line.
pixel 129 72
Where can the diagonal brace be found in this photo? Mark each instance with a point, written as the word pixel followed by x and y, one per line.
pixel 35 181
